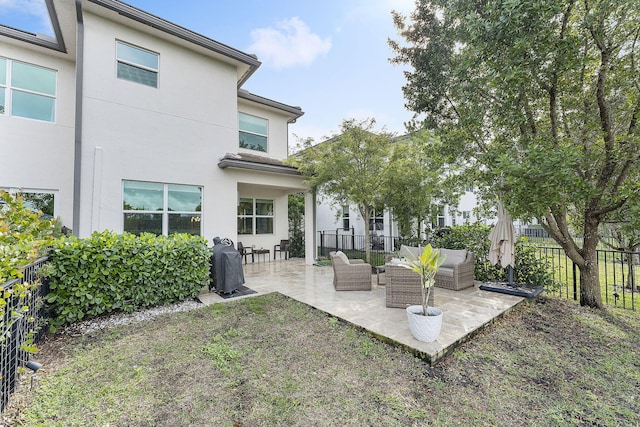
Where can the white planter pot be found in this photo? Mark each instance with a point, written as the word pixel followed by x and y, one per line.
pixel 424 328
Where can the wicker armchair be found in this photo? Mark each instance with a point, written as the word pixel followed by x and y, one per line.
pixel 350 275
pixel 456 276
pixel 403 287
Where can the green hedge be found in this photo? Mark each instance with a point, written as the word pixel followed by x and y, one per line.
pixel 475 238
pixel 122 272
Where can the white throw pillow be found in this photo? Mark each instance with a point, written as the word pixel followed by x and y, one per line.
pixel 454 257
pixel 342 256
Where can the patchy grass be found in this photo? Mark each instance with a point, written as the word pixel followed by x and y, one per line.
pixel 270 360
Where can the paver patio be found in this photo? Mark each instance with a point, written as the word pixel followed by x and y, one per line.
pixel 466 312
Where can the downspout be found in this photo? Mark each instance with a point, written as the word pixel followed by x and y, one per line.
pixel 77 160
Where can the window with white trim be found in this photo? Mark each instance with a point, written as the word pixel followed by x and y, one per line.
pixel 255 216
pixel 254 132
pixel 36 200
pixel 159 208
pixel 345 218
pixel 376 221
pixel 27 90
pixel 136 64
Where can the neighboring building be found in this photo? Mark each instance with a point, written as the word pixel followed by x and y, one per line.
pixel 347 219
pixel 127 122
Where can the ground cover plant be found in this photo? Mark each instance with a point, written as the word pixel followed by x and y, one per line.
pixel 270 360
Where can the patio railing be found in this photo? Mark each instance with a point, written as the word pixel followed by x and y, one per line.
pixel 18 329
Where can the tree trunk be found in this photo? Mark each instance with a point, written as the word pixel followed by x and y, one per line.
pixel 589 272
pixel 364 211
pixel 590 283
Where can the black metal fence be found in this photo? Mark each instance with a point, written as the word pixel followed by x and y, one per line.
pixel 23 319
pixel 619 273
pixel 354 245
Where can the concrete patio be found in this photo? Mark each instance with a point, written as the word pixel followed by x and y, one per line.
pixel 466 312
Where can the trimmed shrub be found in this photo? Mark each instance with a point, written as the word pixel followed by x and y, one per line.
pixel 529 269
pixel 122 272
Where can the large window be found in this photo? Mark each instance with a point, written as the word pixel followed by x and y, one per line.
pixel 255 216
pixel 37 200
pixel 137 65
pixel 27 90
pixel 161 208
pixel 254 132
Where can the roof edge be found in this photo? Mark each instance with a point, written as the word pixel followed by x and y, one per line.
pixel 295 111
pixel 226 162
pixel 176 30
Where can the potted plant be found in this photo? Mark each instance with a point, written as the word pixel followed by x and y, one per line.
pixel 425 322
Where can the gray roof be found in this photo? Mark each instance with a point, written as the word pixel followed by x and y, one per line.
pixel 257 163
pixel 295 111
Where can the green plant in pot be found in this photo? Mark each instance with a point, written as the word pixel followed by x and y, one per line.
pixel 426 266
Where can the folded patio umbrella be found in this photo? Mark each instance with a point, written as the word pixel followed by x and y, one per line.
pixel 503 241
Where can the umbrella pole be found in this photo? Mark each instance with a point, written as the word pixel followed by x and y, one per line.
pixel 510 272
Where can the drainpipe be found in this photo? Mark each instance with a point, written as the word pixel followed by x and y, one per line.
pixel 77 160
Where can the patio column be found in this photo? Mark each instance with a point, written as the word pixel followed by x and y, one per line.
pixel 310 228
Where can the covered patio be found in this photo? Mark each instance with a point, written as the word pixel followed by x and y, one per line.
pixel 466 312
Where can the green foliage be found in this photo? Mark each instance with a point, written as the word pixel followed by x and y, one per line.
pixel 417 182
pixel 111 272
pixel 24 237
pixel 296 225
pixel 529 269
pixel 538 101
pixel 426 266
pixel 350 167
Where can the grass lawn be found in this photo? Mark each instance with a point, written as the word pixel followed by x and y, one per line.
pixel 270 360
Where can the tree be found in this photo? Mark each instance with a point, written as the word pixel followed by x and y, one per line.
pixel 538 100
pixel 351 167
pixel 417 181
pixel 296 225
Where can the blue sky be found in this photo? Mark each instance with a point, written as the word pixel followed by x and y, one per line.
pixel 329 57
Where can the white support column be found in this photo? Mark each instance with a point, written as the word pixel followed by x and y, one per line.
pixel 310 228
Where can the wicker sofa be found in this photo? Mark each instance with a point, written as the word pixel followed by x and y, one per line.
pixel 456 272
pixel 350 275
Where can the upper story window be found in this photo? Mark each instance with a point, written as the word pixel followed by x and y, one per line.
pixel 254 132
pixel 27 90
pixel 137 65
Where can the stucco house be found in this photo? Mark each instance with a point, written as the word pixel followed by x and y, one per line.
pixel 346 219
pixel 128 122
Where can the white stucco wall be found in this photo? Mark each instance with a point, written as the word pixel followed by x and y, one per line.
pixel 38 155
pixel 175 133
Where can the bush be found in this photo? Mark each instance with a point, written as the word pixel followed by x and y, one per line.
pixel 24 237
pixel 122 272
pixel 475 238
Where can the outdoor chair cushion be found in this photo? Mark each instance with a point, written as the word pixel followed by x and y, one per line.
pixel 342 256
pixel 453 257
pixel 445 271
pixel 408 251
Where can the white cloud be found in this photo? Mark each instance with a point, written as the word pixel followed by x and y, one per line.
pixel 31 8
pixel 289 44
